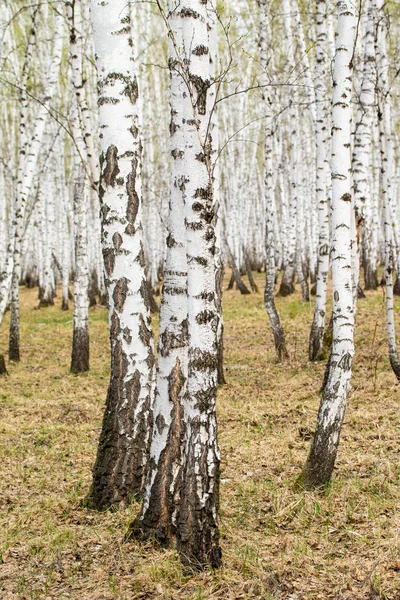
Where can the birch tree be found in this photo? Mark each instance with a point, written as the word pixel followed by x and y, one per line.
pixel 321 460
pixel 387 167
pixel 121 464
pixel 321 140
pixel 25 180
pixel 182 494
pixel 269 192
pixel 80 339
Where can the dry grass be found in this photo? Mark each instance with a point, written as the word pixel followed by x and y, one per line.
pixel 277 542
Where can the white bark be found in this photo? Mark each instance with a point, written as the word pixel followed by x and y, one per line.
pixel 321 140
pixel 321 460
pixel 120 469
pixel 387 160
pixel 80 343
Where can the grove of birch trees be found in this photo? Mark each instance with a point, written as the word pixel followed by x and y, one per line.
pixel 153 154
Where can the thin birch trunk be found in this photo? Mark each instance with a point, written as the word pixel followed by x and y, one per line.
pixel 80 339
pixel 269 199
pixel 321 138
pixel 321 460
pixel 158 514
pixel 24 187
pixel 387 160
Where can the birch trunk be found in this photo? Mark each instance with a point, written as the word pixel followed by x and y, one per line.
pixel 321 139
pixel 269 199
pixel 24 187
pixel 363 142
pixel 321 460
pixel 121 464
pixel 387 159
pixel 161 500
pixel 198 534
pixel 182 496
pixel 80 338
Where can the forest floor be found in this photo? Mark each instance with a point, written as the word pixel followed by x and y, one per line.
pixel 342 543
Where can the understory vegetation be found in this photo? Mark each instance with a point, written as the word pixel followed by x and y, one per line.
pixel 277 542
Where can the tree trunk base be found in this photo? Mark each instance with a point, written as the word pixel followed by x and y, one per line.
pixel 371 279
pixel 395 364
pixel 13 345
pixel 315 345
pixel 285 289
pixel 45 302
pixel 120 468
pixel 80 351
pixel 3 368
pixel 396 287
pixel 360 293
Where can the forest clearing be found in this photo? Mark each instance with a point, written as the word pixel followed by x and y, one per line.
pixel 342 543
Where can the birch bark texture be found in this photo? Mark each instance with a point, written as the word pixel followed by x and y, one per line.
pixel 182 495
pixel 198 533
pixel 80 339
pixel 269 198
pixel 158 514
pixel 30 157
pixel 321 141
pixel 387 160
pixel 121 464
pixel 362 146
pixel 321 460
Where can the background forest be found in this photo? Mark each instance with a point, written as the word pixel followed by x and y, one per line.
pixel 212 193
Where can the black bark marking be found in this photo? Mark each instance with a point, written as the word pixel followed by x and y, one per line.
pixel 171 243
pixel 345 362
pixel 132 90
pixel 203 361
pixel 174 291
pixel 111 169
pixel 175 153
pixel 189 12
pixel 200 50
pixel 140 257
pixel 201 260
pixel 133 199
pixel 200 86
pixel 146 336
pixel 119 293
pixel 144 292
pixel 134 131
pixel 178 338
pixel 160 423
pixel 117 241
pixel 209 296
pixel 206 316
pixel 109 260
pixel 127 335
